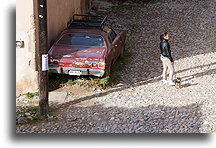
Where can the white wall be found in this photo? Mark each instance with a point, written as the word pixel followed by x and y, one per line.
pixel 26 76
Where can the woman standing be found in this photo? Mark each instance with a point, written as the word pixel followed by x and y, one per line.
pixel 166 59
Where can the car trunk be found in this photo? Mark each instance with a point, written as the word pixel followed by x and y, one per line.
pixel 77 57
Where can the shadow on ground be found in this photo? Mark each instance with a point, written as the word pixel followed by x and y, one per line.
pixel 149 119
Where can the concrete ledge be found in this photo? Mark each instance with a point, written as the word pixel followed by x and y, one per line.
pixel 57 97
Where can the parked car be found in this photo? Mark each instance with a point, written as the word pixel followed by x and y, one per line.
pixel 87 47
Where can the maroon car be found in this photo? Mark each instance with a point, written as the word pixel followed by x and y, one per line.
pixel 87 47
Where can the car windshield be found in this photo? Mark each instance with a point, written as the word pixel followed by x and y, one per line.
pixel 82 40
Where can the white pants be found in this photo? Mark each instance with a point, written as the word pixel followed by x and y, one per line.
pixel 167 67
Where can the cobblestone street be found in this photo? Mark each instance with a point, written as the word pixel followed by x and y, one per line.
pixel 141 103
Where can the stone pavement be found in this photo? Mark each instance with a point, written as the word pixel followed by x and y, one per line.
pixel 141 103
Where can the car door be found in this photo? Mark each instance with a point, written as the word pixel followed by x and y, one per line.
pixel 115 41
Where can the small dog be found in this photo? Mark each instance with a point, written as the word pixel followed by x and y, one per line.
pixel 178 83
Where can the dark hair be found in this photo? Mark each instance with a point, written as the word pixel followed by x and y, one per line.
pixel 163 35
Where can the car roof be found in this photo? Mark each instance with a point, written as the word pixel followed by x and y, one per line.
pixel 84 31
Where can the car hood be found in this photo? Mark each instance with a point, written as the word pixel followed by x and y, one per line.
pixel 77 52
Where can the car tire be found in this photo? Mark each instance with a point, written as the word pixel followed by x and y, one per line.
pixel 107 72
pixel 122 52
pixel 51 74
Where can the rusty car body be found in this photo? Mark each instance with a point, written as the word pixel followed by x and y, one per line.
pixel 87 47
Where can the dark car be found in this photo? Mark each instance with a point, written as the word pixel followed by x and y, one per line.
pixel 87 47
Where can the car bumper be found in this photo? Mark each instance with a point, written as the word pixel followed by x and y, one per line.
pixel 82 71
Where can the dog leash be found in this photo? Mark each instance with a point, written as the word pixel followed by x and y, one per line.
pixel 174 72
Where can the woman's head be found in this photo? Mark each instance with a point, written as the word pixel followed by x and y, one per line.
pixel 165 36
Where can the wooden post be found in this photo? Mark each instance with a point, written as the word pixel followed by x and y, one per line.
pixel 43 49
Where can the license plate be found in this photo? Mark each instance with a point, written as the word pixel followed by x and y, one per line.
pixel 77 73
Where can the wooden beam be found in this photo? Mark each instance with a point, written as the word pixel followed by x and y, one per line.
pixel 43 49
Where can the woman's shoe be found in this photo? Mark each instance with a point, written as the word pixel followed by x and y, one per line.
pixel 171 83
pixel 164 81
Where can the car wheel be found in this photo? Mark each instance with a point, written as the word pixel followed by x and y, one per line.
pixel 122 52
pixel 51 74
pixel 107 72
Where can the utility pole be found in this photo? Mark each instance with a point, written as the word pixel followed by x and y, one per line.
pixel 43 57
